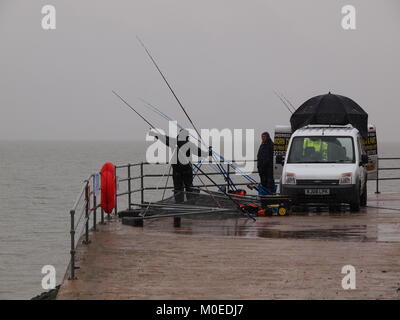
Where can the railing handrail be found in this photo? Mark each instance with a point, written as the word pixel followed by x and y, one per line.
pixel 212 161
pixel 79 197
pixel 389 158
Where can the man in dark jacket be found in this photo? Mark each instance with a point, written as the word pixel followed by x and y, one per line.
pixel 182 171
pixel 265 162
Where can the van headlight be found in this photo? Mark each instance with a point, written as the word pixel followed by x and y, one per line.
pixel 345 178
pixel 290 178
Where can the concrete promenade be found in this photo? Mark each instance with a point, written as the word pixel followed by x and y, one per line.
pixel 295 257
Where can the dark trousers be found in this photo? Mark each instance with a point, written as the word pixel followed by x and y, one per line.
pixel 183 181
pixel 267 181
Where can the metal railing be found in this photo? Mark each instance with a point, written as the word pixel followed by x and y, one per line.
pixel 378 178
pixel 142 175
pixel 86 204
pixel 142 188
pixel 84 207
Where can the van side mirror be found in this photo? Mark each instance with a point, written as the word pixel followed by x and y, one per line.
pixel 364 159
pixel 279 159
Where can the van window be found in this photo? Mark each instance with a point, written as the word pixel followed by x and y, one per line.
pixel 322 149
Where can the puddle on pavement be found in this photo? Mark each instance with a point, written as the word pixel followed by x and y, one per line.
pixel 272 228
pixel 311 225
pixel 357 234
pixel 338 233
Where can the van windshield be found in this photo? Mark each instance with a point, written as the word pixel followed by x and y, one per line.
pixel 322 149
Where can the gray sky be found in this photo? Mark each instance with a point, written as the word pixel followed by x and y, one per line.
pixel 223 57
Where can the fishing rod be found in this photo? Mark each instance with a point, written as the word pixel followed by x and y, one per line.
pixel 287 100
pixel 133 109
pixel 180 104
pixel 201 141
pixel 158 111
pixel 127 104
pixel 144 119
pixel 227 194
pixel 148 122
pixel 280 98
pixel 165 116
pixel 246 176
pixel 214 154
pixel 221 169
pixel 167 83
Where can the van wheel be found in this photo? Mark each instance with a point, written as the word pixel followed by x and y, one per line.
pixel 334 208
pixel 355 206
pixel 363 198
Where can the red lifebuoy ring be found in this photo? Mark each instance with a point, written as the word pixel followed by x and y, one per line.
pixel 108 188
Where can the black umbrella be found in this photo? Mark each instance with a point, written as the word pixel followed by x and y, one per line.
pixel 331 109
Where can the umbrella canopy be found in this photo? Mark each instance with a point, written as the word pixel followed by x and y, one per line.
pixel 331 109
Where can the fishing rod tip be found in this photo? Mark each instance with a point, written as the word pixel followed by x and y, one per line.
pixel 140 40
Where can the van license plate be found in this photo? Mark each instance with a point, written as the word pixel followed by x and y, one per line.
pixel 317 192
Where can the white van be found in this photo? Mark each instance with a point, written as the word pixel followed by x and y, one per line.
pixel 325 164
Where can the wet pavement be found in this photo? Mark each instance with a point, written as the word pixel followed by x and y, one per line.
pixel 299 256
pixel 315 224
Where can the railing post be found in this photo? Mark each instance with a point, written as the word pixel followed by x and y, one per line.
pixel 377 176
pixel 72 252
pixel 87 203
pixel 129 187
pixel 116 193
pixel 94 205
pixel 141 184
pixel 102 211
pixel 227 172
